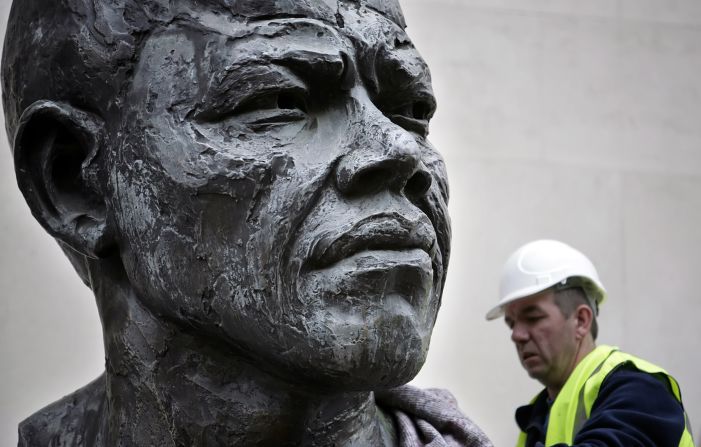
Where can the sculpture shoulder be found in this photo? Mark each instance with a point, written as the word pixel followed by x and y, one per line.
pixel 75 420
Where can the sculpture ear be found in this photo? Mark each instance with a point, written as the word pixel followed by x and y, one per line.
pixel 55 150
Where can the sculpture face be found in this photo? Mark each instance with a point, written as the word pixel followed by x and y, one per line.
pixel 271 186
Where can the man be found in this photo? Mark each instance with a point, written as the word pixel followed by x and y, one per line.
pixel 593 396
pixel 247 187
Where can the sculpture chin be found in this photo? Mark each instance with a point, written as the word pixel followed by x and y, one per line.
pixel 390 356
pixel 365 322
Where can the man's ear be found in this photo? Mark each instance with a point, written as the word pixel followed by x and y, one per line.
pixel 584 317
pixel 56 148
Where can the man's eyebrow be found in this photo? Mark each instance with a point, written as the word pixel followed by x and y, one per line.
pixel 525 312
pixel 531 309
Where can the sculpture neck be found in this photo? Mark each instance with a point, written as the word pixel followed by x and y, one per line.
pixel 172 386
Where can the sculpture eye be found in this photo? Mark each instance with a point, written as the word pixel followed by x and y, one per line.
pixel 413 116
pixel 263 110
pixel 275 105
pixel 291 101
pixel 422 110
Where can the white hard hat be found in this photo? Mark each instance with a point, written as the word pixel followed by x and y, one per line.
pixel 541 264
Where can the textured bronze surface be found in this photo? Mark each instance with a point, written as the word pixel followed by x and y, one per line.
pixel 247 188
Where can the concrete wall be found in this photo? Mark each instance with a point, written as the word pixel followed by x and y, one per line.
pixel 568 119
pixel 573 120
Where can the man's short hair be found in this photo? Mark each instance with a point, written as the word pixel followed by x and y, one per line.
pixel 568 299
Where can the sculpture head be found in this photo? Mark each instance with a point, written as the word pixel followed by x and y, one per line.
pixel 255 171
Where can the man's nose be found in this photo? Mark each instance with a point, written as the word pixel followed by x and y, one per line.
pixel 384 156
pixel 519 334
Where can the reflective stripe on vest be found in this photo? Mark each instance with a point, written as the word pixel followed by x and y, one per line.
pixel 573 404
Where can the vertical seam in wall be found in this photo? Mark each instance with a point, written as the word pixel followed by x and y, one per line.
pixel 624 255
pixel 622 180
pixel 540 54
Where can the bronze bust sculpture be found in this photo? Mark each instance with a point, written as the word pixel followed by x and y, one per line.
pixel 247 188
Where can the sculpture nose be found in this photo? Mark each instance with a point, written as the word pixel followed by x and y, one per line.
pixel 383 157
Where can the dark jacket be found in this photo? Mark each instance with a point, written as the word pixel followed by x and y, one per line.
pixel 633 409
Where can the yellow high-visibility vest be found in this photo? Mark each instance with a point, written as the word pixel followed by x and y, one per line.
pixel 572 405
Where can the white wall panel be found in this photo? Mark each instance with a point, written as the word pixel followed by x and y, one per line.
pixel 576 124
pixel 578 120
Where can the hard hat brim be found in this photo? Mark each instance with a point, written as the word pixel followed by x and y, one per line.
pixel 541 264
pixel 498 310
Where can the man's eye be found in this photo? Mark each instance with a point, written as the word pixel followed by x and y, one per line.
pixel 534 319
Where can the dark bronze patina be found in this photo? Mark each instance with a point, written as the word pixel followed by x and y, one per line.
pixel 247 187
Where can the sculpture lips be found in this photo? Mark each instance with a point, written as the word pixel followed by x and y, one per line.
pixel 379 232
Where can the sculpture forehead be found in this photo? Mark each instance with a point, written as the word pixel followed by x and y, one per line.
pixel 321 9
pixel 286 25
pixel 357 18
pixel 294 36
